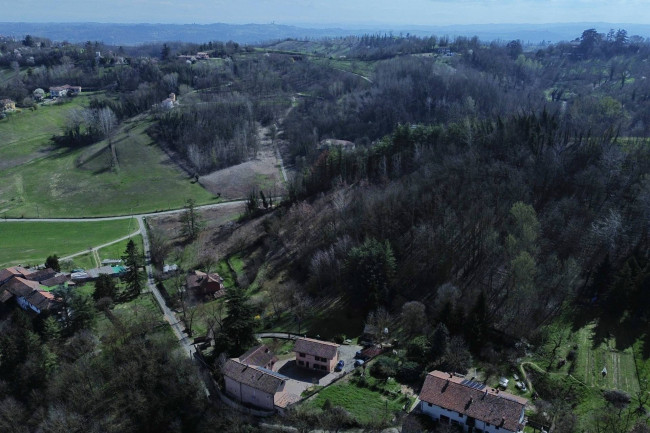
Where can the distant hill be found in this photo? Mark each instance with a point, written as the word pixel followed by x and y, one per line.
pixel 133 34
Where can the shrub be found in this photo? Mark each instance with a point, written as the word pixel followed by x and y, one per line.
pixel 384 367
pixel 409 372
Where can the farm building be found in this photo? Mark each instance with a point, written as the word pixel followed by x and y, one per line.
pixel 259 356
pixel 64 90
pixel 451 399
pixel 252 385
pixel 28 294
pixel 202 284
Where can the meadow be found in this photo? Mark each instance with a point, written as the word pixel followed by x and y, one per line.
pixel 31 242
pixel 39 179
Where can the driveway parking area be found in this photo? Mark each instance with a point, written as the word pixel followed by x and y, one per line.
pixel 300 378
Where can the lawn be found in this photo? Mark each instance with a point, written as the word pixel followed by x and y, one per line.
pixel 40 180
pixel 365 405
pixel 116 251
pixel 31 242
pixel 84 261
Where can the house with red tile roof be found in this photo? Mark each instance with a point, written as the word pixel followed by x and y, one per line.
pixel 260 356
pixel 452 399
pixel 200 283
pixel 15 271
pixel 252 385
pixel 316 354
pixel 29 294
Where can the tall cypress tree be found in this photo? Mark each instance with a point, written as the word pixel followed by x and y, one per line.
pixel 238 326
pixel 133 261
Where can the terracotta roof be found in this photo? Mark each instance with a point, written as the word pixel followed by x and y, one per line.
pixel 55 281
pixel 5 295
pixel 41 275
pixel 285 399
pixel 259 355
pixel 200 280
pixel 22 287
pixel 255 377
pixel 324 349
pixel 16 271
pixel 473 399
pixel 30 290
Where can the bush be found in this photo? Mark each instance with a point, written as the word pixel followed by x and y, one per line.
pixel 409 372
pixel 417 349
pixel 384 367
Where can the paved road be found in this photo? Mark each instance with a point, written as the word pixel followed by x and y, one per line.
pixel 281 335
pixel 122 217
pixel 170 317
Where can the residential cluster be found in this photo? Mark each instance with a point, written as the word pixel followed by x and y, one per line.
pixel 32 289
pixel 257 380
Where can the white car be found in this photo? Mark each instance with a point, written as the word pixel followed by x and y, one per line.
pixel 521 386
pixel 503 382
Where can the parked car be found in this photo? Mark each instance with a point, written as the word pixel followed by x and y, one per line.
pixel 339 366
pixel 503 382
pixel 522 386
pixel 359 362
pixel 360 355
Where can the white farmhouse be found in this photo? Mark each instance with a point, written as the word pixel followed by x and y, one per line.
pixel 451 399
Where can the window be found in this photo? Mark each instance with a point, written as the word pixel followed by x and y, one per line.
pixel 460 415
pixel 429 404
pixel 302 355
pixel 301 363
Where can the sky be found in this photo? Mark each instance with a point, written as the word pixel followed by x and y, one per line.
pixel 319 13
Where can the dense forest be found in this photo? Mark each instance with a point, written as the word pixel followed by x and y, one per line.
pixel 485 191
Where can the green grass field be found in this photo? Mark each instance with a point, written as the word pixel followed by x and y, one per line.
pixel 32 242
pixel 39 180
pixel 116 251
pixel 365 405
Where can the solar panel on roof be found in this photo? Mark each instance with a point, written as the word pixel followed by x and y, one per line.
pixel 472 384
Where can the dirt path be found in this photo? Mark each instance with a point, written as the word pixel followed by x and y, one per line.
pixel 93 250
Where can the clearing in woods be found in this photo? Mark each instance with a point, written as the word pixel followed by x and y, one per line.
pixel 621 371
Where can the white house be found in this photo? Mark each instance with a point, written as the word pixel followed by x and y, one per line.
pixel 170 102
pixel 64 90
pixel 451 399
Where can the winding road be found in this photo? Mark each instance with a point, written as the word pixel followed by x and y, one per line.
pixel 169 315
